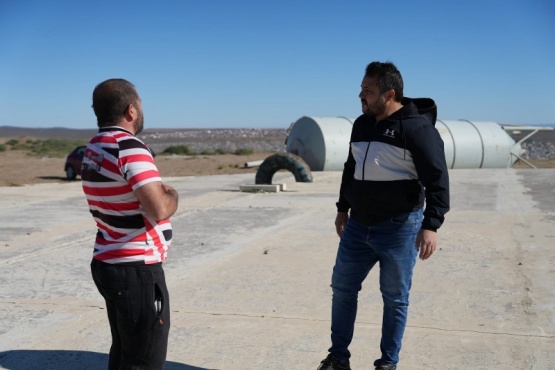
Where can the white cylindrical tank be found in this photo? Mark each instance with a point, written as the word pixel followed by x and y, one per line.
pixel 323 143
pixel 477 144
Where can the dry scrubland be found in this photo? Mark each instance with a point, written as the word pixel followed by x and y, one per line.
pixel 19 167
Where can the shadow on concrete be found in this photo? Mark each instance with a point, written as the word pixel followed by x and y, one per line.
pixel 61 359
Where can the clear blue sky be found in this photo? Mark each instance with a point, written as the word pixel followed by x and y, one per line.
pixel 217 64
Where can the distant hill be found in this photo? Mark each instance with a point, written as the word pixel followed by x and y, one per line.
pixel 158 139
pixel 46 133
pixel 540 145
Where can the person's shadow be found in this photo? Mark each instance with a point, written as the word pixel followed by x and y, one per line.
pixel 71 360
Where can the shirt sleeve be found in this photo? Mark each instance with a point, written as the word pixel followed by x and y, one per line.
pixel 137 164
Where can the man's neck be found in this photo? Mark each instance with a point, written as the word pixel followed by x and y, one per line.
pixel 127 128
pixel 391 108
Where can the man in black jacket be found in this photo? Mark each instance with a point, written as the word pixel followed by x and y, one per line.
pixel 396 165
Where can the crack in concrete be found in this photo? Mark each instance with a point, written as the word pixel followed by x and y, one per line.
pixel 369 323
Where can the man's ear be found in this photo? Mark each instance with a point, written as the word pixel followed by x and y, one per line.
pixel 389 95
pixel 130 112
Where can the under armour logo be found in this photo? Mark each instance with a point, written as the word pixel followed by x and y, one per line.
pixel 389 132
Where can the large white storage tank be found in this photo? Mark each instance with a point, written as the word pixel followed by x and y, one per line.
pixel 323 143
pixel 477 144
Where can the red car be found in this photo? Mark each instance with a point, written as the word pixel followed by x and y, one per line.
pixel 72 167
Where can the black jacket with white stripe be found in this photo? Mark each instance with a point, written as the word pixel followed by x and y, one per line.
pixel 395 166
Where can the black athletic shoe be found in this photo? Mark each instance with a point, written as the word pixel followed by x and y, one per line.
pixel 386 367
pixel 331 363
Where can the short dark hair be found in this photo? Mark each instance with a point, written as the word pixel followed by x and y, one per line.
pixel 111 99
pixel 388 76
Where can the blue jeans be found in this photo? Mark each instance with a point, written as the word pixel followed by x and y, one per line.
pixel 390 243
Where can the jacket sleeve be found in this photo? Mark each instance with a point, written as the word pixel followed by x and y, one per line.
pixel 429 159
pixel 348 173
pixel 343 204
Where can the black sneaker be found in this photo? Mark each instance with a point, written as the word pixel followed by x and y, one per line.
pixel 386 367
pixel 331 363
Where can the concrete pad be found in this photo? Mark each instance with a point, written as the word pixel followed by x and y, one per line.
pixel 272 188
pixel 249 277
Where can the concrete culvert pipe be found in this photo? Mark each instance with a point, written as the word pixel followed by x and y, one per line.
pixel 283 161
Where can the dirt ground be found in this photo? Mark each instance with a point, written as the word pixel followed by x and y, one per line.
pixel 546 163
pixel 17 168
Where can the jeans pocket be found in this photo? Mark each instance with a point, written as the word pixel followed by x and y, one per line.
pixel 408 218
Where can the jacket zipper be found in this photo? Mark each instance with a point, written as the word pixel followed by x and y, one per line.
pixel 364 161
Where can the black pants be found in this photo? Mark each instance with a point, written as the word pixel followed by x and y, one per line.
pixel 138 306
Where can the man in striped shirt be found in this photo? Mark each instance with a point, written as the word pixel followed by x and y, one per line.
pixel 131 207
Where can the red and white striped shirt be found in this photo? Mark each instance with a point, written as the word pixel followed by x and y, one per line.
pixel 114 165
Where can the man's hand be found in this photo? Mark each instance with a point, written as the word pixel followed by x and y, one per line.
pixel 426 242
pixel 340 222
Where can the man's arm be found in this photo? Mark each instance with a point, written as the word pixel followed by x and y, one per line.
pixel 429 159
pixel 342 204
pixel 158 200
pixel 347 177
